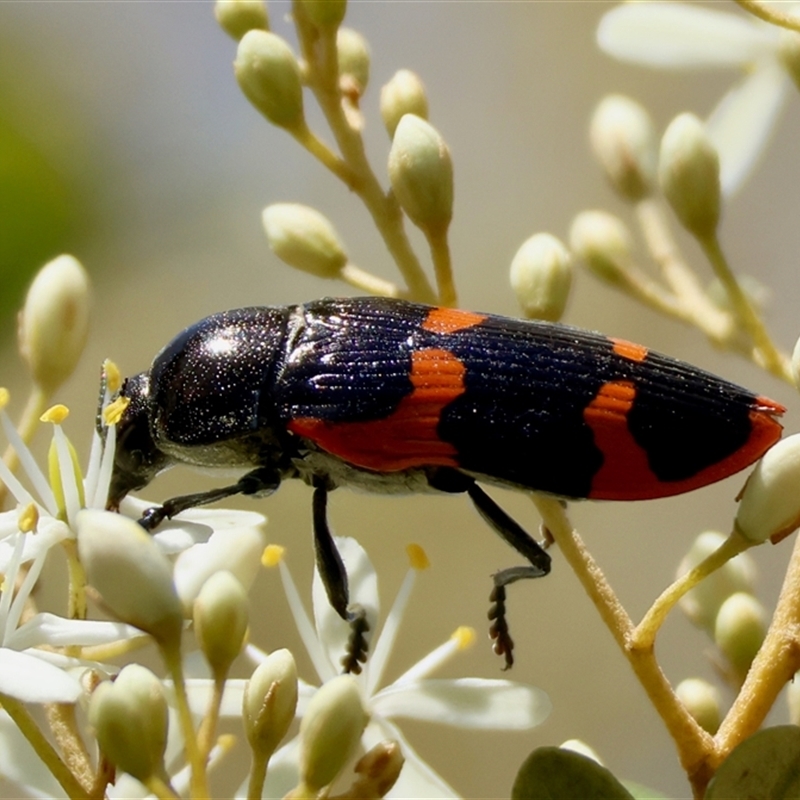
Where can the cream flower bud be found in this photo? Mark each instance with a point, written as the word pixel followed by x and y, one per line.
pixel 603 243
pixel 421 174
pixel 130 718
pixel 54 321
pixel 740 629
pixel 330 731
pixel 269 703
pixel 770 503
pixel 324 14
pixel 353 52
pixel 702 603
pixel 221 615
pixel 688 170
pixel 378 770
pixel 131 574
pixel 269 76
pixel 796 364
pixel 236 17
pixel 623 141
pixel 304 239
pixel 403 94
pixel 702 701
pixel 541 276
pixel 789 54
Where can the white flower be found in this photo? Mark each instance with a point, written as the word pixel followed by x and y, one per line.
pixel 466 702
pixel 674 35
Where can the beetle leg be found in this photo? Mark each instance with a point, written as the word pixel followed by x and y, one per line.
pixel 261 481
pixel 334 578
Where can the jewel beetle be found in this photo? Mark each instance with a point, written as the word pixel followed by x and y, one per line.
pixel 391 396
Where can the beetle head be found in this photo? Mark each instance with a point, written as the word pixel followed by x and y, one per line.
pixel 137 459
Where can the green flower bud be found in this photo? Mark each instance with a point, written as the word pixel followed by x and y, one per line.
pixel 603 243
pixel 623 140
pixel 221 615
pixel 541 276
pixel 132 575
pixel 130 719
pixel 269 76
pixel 421 174
pixel 739 631
pixel 54 321
pixel 702 603
pixel 789 54
pixel 353 52
pixel 324 14
pixel 304 239
pixel 403 94
pixel 236 17
pixel 688 170
pixel 330 731
pixel 702 701
pixel 770 502
pixel 270 700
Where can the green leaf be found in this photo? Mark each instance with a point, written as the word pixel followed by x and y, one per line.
pixel 765 765
pixel 550 773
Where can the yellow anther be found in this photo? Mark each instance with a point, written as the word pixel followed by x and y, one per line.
pixel 55 414
pixel 28 518
pixel 417 557
pixel 272 555
pixel 113 412
pixel 5 396
pixel 112 375
pixel 464 636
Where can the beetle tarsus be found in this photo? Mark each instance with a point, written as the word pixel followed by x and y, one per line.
pixel 333 574
pixel 260 481
pixel 503 644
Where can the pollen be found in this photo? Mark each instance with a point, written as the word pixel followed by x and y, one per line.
pixel 28 518
pixel 417 557
pixel 272 555
pixel 113 376
pixel 55 414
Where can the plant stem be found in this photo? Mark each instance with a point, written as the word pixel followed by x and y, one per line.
pixel 771 14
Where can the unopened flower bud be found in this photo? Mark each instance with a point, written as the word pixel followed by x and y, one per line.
pixel 796 364
pixel 130 719
pixel 688 170
pixel 581 748
pixel 789 53
pixel 541 276
pixel 330 731
pixel 221 615
pixel 269 76
pixel 603 243
pixel 353 53
pixel 770 502
pixel 740 629
pixel 702 701
pixel 702 603
pixel 132 575
pixel 378 770
pixel 54 321
pixel 421 174
pixel 403 94
pixel 304 239
pixel 236 17
pixel 623 141
pixel 793 699
pixel 270 700
pixel 324 14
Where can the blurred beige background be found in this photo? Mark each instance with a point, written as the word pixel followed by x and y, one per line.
pixel 138 104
